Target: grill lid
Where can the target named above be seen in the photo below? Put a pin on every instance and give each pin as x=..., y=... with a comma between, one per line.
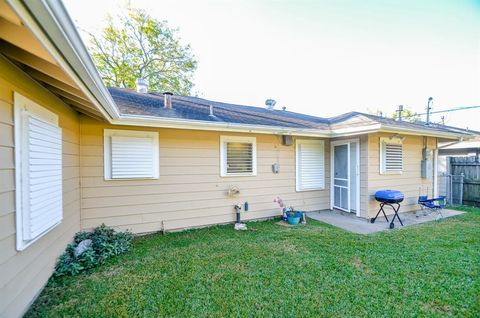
x=389, y=196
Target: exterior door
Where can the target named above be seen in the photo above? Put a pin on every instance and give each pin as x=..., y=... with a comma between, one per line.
x=341, y=176
x=345, y=175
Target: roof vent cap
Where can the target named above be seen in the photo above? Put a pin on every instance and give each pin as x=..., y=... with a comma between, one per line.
x=167, y=100
x=142, y=85
x=270, y=103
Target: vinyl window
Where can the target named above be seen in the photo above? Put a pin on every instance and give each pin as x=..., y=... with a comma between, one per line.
x=391, y=156
x=238, y=156
x=310, y=164
x=38, y=171
x=130, y=154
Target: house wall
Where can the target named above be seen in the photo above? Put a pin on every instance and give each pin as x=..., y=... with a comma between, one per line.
x=23, y=274
x=190, y=191
x=409, y=182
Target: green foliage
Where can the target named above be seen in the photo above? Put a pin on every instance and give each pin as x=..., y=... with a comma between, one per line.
x=291, y=211
x=135, y=45
x=106, y=243
x=317, y=270
x=408, y=115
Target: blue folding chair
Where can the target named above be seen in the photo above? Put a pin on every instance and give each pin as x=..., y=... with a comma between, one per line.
x=434, y=205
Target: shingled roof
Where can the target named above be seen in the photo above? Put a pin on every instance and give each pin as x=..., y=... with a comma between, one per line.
x=130, y=102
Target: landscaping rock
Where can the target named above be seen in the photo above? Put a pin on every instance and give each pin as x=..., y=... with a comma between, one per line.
x=82, y=247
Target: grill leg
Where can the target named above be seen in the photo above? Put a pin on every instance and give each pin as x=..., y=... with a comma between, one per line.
x=380, y=210
x=396, y=214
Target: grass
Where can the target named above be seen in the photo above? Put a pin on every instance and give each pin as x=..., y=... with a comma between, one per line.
x=272, y=271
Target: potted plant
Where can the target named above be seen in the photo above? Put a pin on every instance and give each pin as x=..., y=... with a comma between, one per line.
x=293, y=216
x=290, y=215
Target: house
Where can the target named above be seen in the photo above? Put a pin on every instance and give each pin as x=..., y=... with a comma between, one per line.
x=75, y=154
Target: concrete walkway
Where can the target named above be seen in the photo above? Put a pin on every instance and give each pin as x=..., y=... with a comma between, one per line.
x=352, y=223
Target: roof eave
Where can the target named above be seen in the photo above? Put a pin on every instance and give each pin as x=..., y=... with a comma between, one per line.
x=162, y=122
x=49, y=21
x=352, y=131
x=426, y=132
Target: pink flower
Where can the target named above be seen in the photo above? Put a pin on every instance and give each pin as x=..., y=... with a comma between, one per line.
x=280, y=202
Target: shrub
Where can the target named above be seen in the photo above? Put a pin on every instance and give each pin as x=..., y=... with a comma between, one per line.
x=106, y=243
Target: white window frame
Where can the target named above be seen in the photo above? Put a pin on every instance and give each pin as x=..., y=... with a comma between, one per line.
x=223, y=155
x=107, y=153
x=22, y=105
x=298, y=186
x=382, y=151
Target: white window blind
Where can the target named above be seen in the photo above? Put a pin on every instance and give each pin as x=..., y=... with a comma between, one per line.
x=310, y=165
x=238, y=156
x=391, y=155
x=38, y=168
x=131, y=154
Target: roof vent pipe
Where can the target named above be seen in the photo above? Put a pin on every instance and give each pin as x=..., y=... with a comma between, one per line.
x=167, y=100
x=399, y=112
x=270, y=103
x=429, y=108
x=142, y=85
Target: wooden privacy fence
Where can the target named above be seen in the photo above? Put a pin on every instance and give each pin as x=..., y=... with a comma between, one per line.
x=469, y=168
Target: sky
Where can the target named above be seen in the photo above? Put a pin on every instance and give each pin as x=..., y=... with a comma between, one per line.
x=322, y=57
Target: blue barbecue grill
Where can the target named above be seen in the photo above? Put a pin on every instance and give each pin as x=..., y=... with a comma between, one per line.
x=392, y=198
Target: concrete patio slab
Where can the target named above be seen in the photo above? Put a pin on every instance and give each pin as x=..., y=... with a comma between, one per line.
x=354, y=224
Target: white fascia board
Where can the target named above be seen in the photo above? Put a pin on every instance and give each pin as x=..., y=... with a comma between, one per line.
x=150, y=121
x=425, y=132
x=175, y=123
x=49, y=21
x=351, y=131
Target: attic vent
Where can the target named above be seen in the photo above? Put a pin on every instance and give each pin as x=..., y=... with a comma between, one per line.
x=270, y=104
x=391, y=155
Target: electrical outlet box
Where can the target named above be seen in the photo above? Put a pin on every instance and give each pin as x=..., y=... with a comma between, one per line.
x=426, y=169
x=287, y=140
x=427, y=154
x=275, y=168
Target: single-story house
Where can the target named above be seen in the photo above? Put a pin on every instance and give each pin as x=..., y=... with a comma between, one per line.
x=75, y=154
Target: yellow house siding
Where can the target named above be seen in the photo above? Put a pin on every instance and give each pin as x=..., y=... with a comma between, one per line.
x=190, y=191
x=364, y=164
x=409, y=182
x=24, y=273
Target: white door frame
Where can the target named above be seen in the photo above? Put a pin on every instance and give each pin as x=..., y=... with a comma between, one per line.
x=357, y=169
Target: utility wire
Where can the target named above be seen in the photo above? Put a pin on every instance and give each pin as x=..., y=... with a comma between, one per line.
x=443, y=111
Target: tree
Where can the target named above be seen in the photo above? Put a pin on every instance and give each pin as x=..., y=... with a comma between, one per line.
x=136, y=45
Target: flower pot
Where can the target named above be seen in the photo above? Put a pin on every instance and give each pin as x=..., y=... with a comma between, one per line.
x=294, y=219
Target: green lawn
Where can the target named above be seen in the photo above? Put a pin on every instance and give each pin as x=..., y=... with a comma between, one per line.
x=272, y=271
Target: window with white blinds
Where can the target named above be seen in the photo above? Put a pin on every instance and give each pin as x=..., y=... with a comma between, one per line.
x=310, y=164
x=38, y=171
x=391, y=155
x=131, y=154
x=238, y=156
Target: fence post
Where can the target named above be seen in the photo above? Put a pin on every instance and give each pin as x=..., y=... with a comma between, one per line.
x=450, y=189
x=461, y=188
